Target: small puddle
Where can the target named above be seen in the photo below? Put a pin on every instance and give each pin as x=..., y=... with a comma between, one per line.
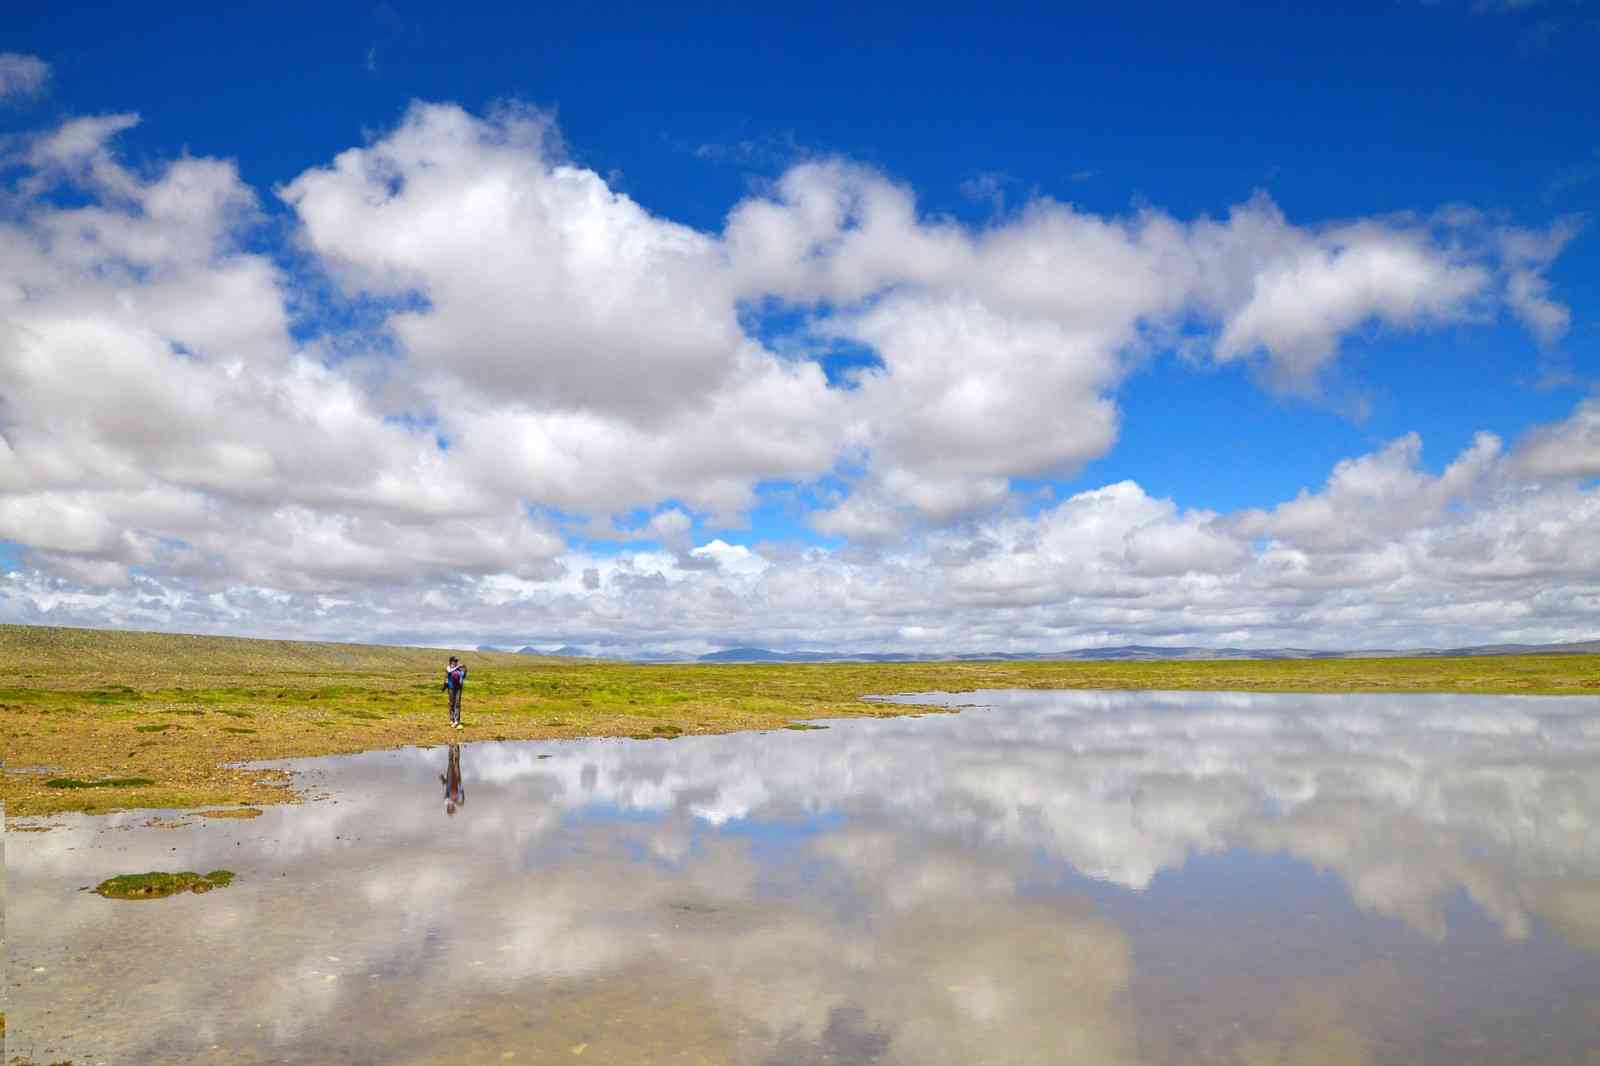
x=1084, y=877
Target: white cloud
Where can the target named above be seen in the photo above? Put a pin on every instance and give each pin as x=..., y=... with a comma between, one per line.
x=1318, y=290
x=970, y=397
x=1483, y=555
x=182, y=448
x=159, y=414
x=542, y=285
x=1371, y=500
x=1527, y=256
x=1570, y=448
x=22, y=75
x=1042, y=315
x=578, y=351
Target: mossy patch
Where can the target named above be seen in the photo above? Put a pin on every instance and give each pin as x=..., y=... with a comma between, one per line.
x=659, y=732
x=152, y=728
x=801, y=727
x=111, y=694
x=104, y=782
x=236, y=729
x=231, y=812
x=157, y=885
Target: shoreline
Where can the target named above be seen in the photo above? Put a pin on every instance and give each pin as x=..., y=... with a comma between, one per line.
x=138, y=720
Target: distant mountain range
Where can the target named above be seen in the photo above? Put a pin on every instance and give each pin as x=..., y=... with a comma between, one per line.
x=1120, y=653
x=1144, y=652
x=1577, y=647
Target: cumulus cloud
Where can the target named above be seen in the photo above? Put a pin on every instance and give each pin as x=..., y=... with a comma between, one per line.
x=1483, y=555
x=22, y=75
x=540, y=284
x=1318, y=289
x=971, y=397
x=159, y=415
x=578, y=351
x=1527, y=256
x=1570, y=448
x=1371, y=500
x=187, y=442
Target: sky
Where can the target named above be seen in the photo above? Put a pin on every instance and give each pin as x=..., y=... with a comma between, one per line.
x=659, y=331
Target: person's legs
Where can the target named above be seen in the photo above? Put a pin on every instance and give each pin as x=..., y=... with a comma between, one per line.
x=455, y=706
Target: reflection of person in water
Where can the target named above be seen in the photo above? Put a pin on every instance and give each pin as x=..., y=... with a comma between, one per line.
x=454, y=794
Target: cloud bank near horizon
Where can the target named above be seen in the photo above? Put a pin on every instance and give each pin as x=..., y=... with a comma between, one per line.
x=480, y=396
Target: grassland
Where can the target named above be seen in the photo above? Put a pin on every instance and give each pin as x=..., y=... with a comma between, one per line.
x=136, y=720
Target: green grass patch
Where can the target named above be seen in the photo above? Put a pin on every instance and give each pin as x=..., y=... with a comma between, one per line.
x=157, y=885
x=802, y=727
x=112, y=694
x=104, y=782
x=237, y=729
x=152, y=728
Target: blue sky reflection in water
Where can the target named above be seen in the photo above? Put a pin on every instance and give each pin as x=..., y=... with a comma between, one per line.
x=1055, y=878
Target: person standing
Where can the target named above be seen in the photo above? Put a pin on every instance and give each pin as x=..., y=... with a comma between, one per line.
x=455, y=679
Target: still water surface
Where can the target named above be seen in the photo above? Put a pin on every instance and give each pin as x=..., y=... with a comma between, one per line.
x=1085, y=877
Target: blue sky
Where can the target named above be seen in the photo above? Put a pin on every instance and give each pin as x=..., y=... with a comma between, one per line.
x=1422, y=174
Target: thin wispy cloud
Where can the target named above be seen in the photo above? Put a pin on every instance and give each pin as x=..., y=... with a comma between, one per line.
x=22, y=76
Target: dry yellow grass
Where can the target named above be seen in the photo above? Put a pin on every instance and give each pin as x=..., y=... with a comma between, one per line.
x=93, y=707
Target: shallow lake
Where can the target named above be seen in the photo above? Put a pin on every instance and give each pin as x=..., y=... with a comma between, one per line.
x=1050, y=877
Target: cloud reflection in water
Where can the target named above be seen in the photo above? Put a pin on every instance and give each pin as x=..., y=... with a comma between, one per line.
x=953, y=889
